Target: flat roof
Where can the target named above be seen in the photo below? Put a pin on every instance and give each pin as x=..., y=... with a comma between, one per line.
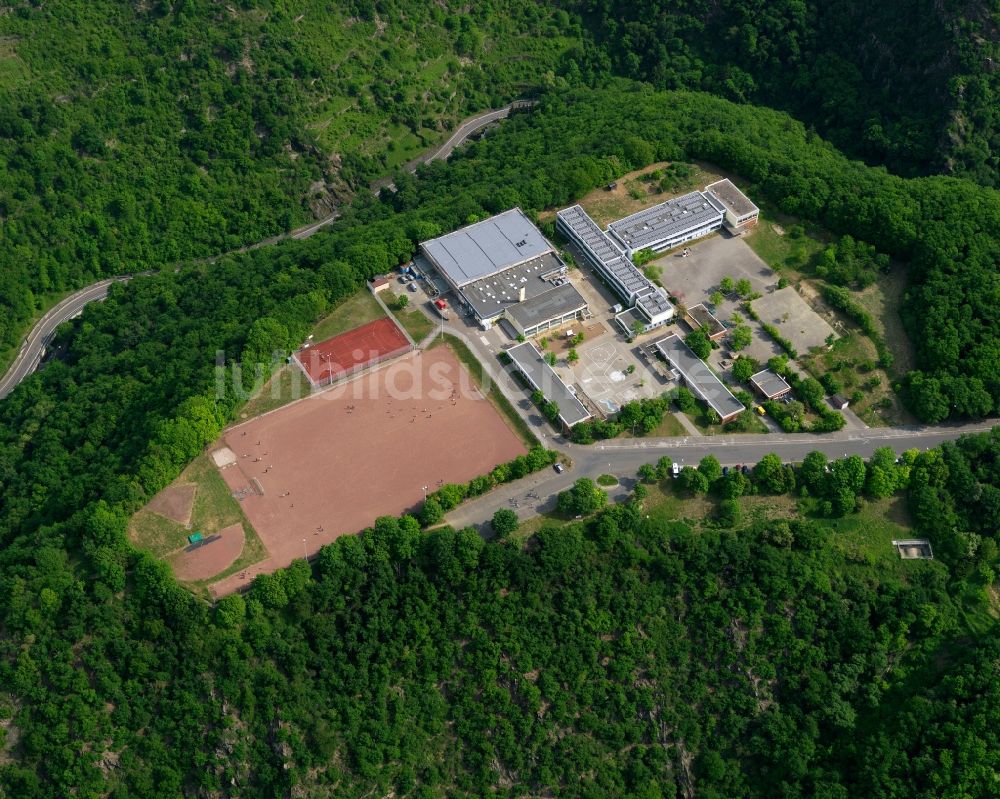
x=736, y=201
x=703, y=317
x=555, y=302
x=699, y=378
x=628, y=318
x=770, y=383
x=543, y=377
x=666, y=220
x=499, y=292
x=485, y=248
x=605, y=249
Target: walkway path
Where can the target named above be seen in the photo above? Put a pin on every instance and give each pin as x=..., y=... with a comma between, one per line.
x=687, y=424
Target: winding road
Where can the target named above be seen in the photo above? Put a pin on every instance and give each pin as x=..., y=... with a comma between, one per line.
x=33, y=348
x=538, y=492
x=38, y=339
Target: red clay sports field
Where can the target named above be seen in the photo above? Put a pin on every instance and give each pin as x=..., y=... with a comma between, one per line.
x=338, y=356
x=332, y=463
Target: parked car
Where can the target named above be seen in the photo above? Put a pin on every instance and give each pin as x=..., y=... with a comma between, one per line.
x=411, y=286
x=559, y=468
x=759, y=409
x=746, y=469
x=675, y=469
x=725, y=470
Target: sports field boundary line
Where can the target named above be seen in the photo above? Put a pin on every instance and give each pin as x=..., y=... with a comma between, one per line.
x=367, y=369
x=392, y=316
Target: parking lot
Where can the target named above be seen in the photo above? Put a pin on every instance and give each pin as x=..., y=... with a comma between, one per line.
x=795, y=320
x=694, y=278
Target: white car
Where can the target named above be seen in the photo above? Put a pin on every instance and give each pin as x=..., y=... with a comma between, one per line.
x=559, y=468
x=675, y=469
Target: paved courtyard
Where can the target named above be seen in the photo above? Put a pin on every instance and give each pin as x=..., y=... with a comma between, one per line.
x=800, y=324
x=602, y=374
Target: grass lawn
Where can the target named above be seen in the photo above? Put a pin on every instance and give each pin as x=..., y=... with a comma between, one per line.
x=214, y=509
x=848, y=360
x=356, y=310
x=668, y=427
x=866, y=537
x=531, y=526
x=774, y=239
x=416, y=322
x=882, y=300
x=664, y=504
x=633, y=193
x=485, y=384
x=700, y=419
x=286, y=385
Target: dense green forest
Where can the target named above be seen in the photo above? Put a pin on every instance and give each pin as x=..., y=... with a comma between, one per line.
x=133, y=135
x=136, y=135
x=736, y=655
x=913, y=86
x=620, y=656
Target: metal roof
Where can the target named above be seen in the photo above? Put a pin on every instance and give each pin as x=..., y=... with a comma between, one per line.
x=555, y=302
x=543, y=378
x=698, y=377
x=665, y=221
x=579, y=221
x=486, y=248
x=654, y=303
x=499, y=292
x=605, y=250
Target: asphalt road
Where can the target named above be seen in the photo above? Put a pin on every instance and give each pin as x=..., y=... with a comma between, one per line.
x=28, y=358
x=34, y=345
x=623, y=457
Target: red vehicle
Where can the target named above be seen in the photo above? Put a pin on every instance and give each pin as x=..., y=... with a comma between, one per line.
x=442, y=308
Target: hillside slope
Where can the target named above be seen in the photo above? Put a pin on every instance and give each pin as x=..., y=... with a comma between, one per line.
x=135, y=135
x=912, y=86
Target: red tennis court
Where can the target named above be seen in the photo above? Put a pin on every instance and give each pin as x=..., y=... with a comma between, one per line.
x=338, y=356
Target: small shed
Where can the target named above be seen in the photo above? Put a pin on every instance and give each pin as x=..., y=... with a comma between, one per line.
x=698, y=316
x=380, y=283
x=770, y=385
x=838, y=403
